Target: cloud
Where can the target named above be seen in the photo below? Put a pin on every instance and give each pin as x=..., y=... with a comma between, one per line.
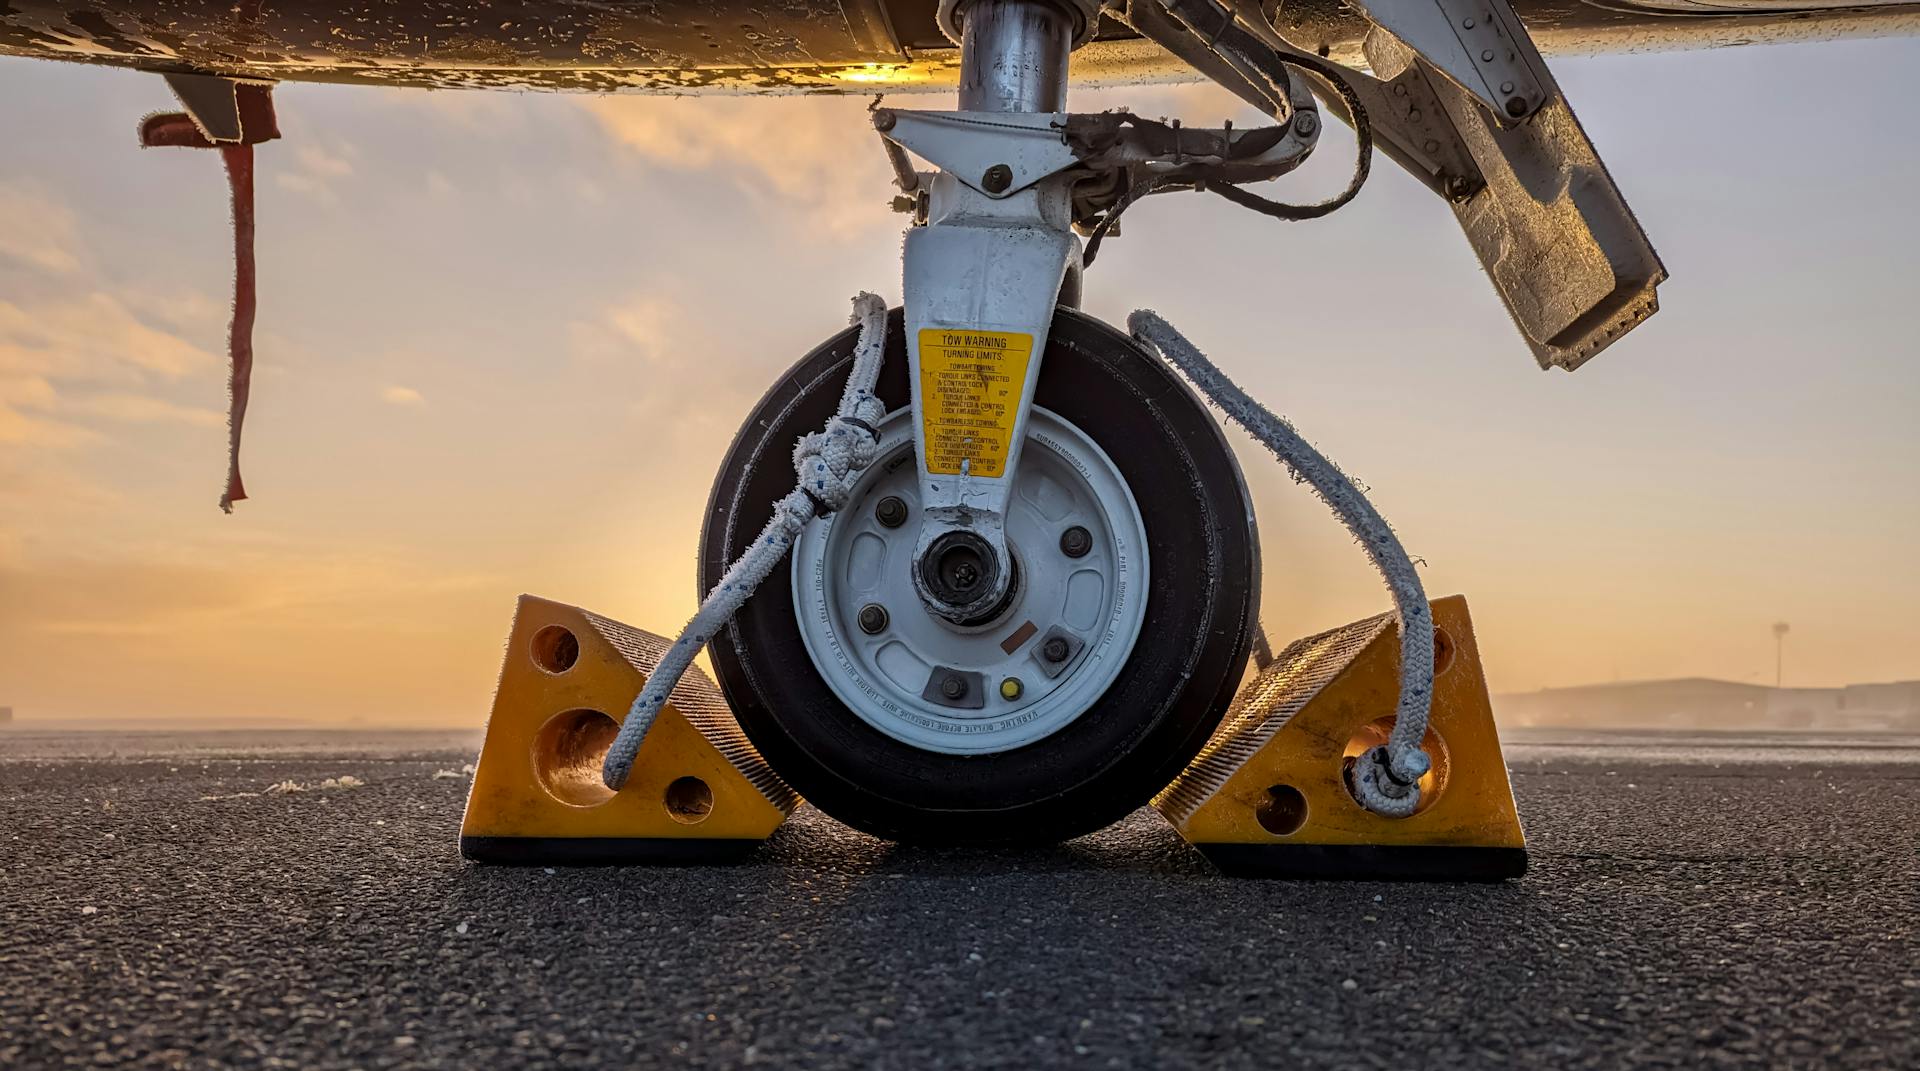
x=656, y=336
x=652, y=348
x=397, y=395
x=93, y=337
x=143, y=409
x=18, y=428
x=817, y=156
x=38, y=232
x=34, y=413
x=318, y=161
x=31, y=392
x=493, y=115
x=183, y=311
x=96, y=345
x=25, y=402
x=316, y=170
x=58, y=329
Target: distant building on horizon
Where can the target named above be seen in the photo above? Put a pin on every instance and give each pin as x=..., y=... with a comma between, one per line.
x=6, y=715
x=1704, y=703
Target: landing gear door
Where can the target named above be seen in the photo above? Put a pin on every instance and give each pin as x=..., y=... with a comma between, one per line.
x=1570, y=261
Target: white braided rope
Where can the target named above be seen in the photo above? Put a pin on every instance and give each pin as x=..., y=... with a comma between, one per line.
x=1386, y=780
x=828, y=463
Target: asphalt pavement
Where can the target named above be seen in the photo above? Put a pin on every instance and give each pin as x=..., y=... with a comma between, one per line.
x=1692, y=903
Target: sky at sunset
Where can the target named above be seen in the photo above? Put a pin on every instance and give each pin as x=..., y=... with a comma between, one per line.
x=504, y=340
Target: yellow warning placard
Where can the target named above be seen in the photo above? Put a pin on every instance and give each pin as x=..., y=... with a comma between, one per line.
x=970, y=385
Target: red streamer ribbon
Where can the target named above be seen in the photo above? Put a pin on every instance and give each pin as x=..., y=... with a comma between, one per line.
x=258, y=123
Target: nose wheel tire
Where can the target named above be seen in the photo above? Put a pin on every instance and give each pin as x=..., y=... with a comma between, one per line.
x=1099, y=677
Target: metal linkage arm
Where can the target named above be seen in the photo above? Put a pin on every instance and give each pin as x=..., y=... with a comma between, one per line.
x=1000, y=155
x=1463, y=101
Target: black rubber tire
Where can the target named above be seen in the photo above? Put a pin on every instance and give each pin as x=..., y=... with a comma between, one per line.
x=1203, y=592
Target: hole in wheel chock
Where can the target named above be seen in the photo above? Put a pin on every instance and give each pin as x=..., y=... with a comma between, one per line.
x=568, y=752
x=555, y=649
x=1283, y=812
x=1375, y=734
x=1443, y=648
x=689, y=800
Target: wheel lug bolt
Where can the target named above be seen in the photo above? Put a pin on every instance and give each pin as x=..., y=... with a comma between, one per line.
x=1054, y=650
x=1011, y=689
x=891, y=512
x=873, y=619
x=1075, y=542
x=954, y=687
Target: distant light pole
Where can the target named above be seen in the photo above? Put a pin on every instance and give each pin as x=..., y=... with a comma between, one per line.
x=1779, y=642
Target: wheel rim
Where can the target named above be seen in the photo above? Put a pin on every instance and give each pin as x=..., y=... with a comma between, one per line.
x=897, y=677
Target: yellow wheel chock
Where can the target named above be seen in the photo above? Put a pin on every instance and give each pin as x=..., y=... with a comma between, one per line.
x=699, y=791
x=1268, y=795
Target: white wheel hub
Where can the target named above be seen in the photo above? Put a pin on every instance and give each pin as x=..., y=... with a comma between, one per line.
x=1013, y=687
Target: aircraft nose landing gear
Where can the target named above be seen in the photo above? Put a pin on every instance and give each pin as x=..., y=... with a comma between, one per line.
x=1024, y=570
x=1030, y=612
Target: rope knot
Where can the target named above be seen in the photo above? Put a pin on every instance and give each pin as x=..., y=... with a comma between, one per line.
x=829, y=462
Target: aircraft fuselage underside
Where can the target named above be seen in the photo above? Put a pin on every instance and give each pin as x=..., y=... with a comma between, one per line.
x=681, y=46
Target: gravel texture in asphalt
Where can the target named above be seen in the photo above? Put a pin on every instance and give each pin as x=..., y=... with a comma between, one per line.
x=1690, y=905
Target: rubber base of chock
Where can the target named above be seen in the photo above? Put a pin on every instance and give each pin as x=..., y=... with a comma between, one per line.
x=604, y=851
x=1367, y=862
x=1268, y=795
x=699, y=791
